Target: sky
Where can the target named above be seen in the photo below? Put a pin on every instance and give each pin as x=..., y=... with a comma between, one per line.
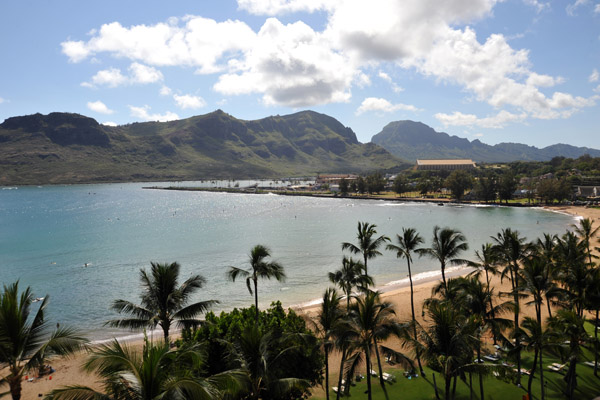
x=525, y=71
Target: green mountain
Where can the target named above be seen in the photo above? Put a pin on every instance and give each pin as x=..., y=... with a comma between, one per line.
x=411, y=140
x=71, y=148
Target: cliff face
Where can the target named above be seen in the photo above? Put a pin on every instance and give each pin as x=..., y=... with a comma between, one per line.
x=71, y=148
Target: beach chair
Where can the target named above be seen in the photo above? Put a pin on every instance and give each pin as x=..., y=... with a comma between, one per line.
x=556, y=367
x=388, y=377
x=374, y=373
x=590, y=363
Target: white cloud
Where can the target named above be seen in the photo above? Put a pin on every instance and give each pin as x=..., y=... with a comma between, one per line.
x=109, y=123
x=382, y=105
x=597, y=9
x=199, y=42
x=387, y=78
x=594, y=76
x=140, y=73
x=188, y=101
x=539, y=6
x=112, y=77
x=571, y=8
x=144, y=114
x=99, y=107
x=291, y=65
x=470, y=120
x=165, y=91
x=295, y=65
x=275, y=7
x=107, y=77
x=2, y=100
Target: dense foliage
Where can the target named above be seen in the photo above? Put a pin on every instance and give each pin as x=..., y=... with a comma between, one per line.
x=293, y=349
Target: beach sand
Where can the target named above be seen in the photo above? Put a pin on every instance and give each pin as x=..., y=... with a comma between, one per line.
x=68, y=371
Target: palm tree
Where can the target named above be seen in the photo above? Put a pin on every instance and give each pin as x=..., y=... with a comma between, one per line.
x=259, y=269
x=163, y=301
x=446, y=246
x=566, y=324
x=349, y=277
x=254, y=350
x=487, y=261
x=156, y=373
x=511, y=249
x=593, y=304
x=475, y=299
x=407, y=244
x=534, y=336
x=328, y=322
x=586, y=232
x=545, y=248
x=447, y=342
x=373, y=321
x=367, y=245
x=25, y=342
x=575, y=270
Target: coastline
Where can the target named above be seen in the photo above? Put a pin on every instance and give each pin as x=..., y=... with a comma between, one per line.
x=69, y=372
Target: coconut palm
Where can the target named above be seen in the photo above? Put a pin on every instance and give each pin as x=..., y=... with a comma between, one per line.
x=328, y=322
x=566, y=324
x=351, y=276
x=407, y=245
x=511, y=250
x=157, y=372
x=575, y=270
x=373, y=321
x=533, y=336
x=259, y=268
x=447, y=342
x=593, y=304
x=474, y=299
x=25, y=340
x=545, y=248
x=368, y=245
x=163, y=301
x=586, y=232
x=487, y=262
x=255, y=352
x=446, y=246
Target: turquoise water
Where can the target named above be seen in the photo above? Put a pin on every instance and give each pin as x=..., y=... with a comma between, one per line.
x=48, y=234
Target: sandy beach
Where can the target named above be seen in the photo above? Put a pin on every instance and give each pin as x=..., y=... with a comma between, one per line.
x=68, y=371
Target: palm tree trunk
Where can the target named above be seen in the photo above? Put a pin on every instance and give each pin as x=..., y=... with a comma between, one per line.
x=444, y=276
x=14, y=383
x=515, y=285
x=341, y=377
x=549, y=309
x=543, y=388
x=454, y=387
x=256, y=298
x=596, y=343
x=494, y=334
x=381, y=380
x=165, y=327
x=366, y=270
x=470, y=386
x=414, y=320
x=530, y=381
x=327, y=372
x=368, y=362
x=480, y=376
x=447, y=386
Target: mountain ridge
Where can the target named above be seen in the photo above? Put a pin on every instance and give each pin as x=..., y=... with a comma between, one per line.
x=73, y=148
x=411, y=140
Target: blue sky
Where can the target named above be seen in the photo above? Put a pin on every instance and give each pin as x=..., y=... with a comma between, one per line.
x=500, y=71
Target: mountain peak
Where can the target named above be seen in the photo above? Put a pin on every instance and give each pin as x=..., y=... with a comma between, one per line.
x=410, y=140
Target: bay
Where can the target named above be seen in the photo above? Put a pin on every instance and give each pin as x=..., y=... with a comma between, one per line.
x=84, y=245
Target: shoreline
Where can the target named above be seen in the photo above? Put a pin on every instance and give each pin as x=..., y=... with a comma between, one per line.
x=68, y=370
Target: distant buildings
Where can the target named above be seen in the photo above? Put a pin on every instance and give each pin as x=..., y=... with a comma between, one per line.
x=447, y=165
x=334, y=179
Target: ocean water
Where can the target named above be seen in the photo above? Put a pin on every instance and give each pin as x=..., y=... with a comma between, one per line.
x=49, y=234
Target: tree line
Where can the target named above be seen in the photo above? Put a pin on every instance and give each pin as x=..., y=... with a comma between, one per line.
x=274, y=354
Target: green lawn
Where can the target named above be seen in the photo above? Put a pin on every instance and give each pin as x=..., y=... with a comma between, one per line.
x=494, y=388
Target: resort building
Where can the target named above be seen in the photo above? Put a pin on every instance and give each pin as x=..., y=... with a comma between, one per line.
x=334, y=179
x=448, y=165
x=588, y=191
